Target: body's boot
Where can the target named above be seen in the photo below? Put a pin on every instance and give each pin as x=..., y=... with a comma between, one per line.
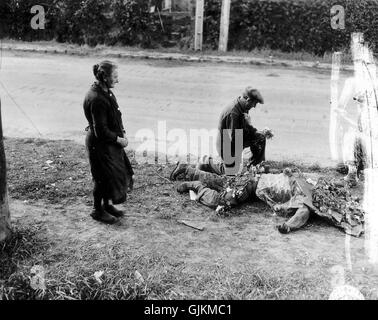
x=205, y=195
x=297, y=221
x=179, y=170
x=207, y=164
x=203, y=167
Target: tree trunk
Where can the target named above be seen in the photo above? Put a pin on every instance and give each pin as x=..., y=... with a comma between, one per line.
x=4, y=207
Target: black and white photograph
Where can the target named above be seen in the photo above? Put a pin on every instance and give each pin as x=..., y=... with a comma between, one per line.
x=188, y=151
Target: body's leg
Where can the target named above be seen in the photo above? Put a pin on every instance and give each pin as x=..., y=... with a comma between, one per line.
x=297, y=221
x=188, y=173
x=208, y=164
x=248, y=192
x=212, y=198
x=205, y=195
x=257, y=145
x=210, y=180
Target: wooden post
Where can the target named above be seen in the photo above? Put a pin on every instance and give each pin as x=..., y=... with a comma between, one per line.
x=224, y=25
x=198, y=37
x=4, y=207
x=168, y=5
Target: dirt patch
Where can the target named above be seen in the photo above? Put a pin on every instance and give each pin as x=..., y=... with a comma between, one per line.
x=239, y=257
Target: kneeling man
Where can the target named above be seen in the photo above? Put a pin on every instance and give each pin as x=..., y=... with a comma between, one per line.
x=235, y=124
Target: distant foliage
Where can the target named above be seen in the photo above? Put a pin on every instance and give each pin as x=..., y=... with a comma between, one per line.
x=91, y=22
x=291, y=25
x=15, y=19
x=287, y=25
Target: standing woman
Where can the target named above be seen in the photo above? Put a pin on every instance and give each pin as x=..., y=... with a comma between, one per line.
x=110, y=167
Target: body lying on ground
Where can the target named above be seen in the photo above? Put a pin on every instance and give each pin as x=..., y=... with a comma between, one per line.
x=287, y=193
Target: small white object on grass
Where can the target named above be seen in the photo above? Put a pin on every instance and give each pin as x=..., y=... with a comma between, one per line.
x=98, y=275
x=310, y=181
x=37, y=279
x=138, y=276
x=219, y=209
x=193, y=195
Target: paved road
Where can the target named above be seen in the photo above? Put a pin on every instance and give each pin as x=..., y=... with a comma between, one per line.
x=50, y=89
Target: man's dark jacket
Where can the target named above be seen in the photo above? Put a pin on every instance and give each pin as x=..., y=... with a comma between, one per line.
x=232, y=117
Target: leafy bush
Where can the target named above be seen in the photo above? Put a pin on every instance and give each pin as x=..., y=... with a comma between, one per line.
x=134, y=24
x=287, y=25
x=15, y=18
x=89, y=22
x=291, y=25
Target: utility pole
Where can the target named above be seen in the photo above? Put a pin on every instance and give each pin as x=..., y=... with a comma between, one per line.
x=224, y=25
x=198, y=37
x=168, y=5
x=4, y=207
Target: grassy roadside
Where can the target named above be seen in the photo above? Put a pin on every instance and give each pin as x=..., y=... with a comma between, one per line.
x=72, y=275
x=52, y=178
x=257, y=56
x=58, y=170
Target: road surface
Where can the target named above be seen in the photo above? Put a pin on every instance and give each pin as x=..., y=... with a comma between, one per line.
x=50, y=90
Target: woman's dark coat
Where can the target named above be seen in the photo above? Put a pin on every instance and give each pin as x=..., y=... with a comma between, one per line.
x=110, y=166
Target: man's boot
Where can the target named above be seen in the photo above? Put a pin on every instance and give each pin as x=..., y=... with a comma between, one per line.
x=114, y=211
x=102, y=216
x=196, y=186
x=351, y=178
x=180, y=169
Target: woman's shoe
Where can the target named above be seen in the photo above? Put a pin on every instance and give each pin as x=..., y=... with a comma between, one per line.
x=114, y=211
x=103, y=216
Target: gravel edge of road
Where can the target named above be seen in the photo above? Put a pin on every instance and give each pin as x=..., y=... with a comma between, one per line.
x=144, y=54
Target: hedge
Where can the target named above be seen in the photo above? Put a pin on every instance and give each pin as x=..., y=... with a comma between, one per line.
x=91, y=22
x=287, y=25
x=291, y=25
